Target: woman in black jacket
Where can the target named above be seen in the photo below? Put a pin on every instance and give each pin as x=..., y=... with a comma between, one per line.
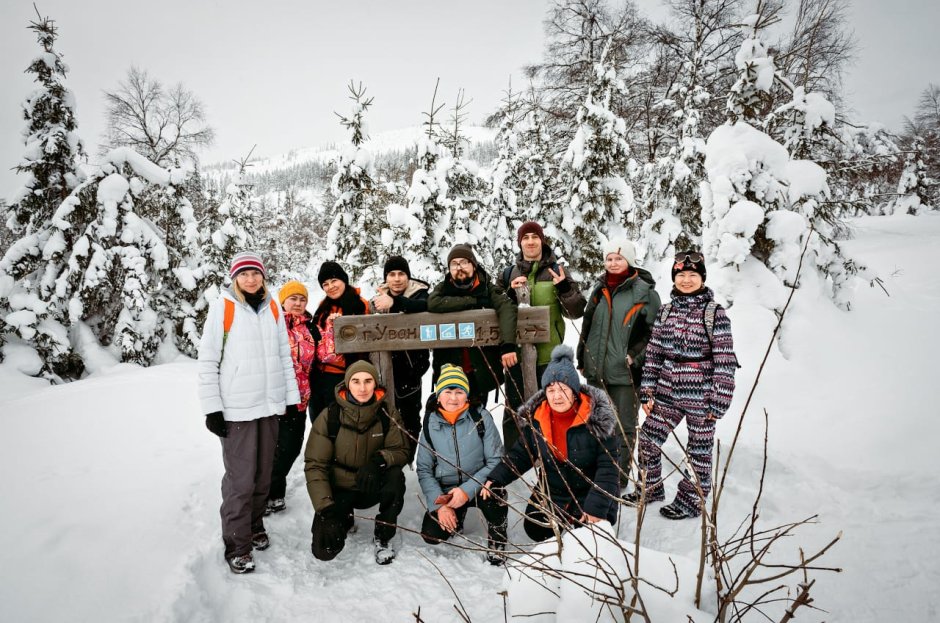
x=571, y=429
x=342, y=299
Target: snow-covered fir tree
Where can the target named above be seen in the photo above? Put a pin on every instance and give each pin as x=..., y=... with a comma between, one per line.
x=700, y=40
x=227, y=230
x=541, y=196
x=102, y=273
x=462, y=189
x=180, y=289
x=50, y=166
x=291, y=245
x=756, y=72
x=424, y=200
x=762, y=206
x=912, y=190
x=503, y=212
x=600, y=200
x=354, y=237
x=53, y=148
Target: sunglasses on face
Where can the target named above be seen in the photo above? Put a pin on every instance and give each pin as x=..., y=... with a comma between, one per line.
x=459, y=264
x=693, y=257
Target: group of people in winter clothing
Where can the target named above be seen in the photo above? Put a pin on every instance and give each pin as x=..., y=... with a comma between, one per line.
x=265, y=368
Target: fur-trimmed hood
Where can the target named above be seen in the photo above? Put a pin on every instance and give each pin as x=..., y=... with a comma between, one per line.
x=602, y=420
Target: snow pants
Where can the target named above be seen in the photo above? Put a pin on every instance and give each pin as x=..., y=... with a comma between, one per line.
x=390, y=498
x=656, y=429
x=290, y=439
x=625, y=401
x=248, y=455
x=495, y=512
x=537, y=521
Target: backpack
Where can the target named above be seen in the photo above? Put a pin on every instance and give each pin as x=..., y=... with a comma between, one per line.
x=229, y=317
x=475, y=415
x=708, y=316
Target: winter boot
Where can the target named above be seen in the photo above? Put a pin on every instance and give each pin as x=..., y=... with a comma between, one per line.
x=241, y=564
x=260, y=541
x=384, y=551
x=633, y=499
x=275, y=506
x=674, y=511
x=496, y=554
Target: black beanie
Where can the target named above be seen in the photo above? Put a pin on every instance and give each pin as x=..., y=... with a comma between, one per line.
x=332, y=270
x=396, y=262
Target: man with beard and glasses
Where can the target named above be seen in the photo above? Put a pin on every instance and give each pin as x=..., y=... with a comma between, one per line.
x=466, y=287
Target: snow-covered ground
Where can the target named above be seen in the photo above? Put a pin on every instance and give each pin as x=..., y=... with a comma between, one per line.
x=110, y=487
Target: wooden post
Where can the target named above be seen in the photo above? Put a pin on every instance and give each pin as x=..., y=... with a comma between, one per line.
x=383, y=363
x=530, y=382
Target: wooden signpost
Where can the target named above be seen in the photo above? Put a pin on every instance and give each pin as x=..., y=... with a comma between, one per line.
x=381, y=334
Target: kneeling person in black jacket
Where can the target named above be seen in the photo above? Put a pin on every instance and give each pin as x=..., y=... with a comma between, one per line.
x=572, y=430
x=354, y=459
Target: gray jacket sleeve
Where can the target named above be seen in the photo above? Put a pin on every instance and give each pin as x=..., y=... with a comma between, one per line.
x=424, y=466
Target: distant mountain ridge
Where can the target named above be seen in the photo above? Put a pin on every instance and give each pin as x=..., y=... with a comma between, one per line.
x=391, y=147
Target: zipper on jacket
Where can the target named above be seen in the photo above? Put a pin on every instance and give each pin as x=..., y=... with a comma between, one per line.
x=453, y=430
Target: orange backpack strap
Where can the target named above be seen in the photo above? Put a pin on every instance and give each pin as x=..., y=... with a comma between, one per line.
x=275, y=311
x=228, y=318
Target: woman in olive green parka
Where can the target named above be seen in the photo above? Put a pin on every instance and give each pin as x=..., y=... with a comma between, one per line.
x=618, y=323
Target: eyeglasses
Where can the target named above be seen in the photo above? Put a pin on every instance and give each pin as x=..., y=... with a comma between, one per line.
x=691, y=256
x=460, y=264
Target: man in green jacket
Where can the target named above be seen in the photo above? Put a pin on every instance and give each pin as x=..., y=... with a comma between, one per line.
x=354, y=458
x=618, y=323
x=467, y=286
x=549, y=285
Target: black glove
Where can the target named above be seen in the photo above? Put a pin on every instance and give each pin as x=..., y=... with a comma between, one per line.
x=332, y=529
x=215, y=422
x=292, y=410
x=369, y=476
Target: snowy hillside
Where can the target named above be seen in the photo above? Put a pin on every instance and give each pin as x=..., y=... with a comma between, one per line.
x=110, y=492
x=400, y=140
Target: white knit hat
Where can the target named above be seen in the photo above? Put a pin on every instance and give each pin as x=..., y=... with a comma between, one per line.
x=622, y=246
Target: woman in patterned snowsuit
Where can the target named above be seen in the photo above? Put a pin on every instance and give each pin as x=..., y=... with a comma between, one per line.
x=689, y=374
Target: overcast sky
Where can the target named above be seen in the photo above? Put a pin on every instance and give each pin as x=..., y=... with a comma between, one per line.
x=272, y=73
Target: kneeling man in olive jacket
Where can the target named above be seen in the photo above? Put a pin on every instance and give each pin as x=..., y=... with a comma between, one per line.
x=354, y=459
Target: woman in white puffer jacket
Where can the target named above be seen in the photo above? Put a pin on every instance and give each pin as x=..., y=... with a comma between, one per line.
x=246, y=379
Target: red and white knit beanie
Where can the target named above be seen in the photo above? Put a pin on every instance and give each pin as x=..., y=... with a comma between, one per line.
x=244, y=261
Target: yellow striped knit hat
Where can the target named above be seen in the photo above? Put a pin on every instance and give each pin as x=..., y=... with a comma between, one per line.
x=451, y=376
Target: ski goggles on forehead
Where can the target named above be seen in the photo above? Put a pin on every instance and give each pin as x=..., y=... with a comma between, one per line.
x=694, y=257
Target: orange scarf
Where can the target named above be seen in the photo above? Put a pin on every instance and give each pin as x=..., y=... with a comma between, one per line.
x=452, y=416
x=555, y=426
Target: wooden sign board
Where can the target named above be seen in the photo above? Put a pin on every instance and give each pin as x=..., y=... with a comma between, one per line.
x=477, y=327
